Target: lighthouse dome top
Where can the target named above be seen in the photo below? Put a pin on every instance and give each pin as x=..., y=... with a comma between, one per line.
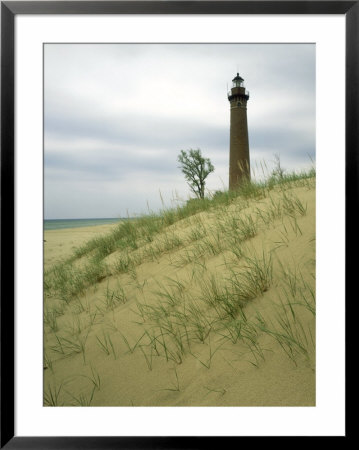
x=237, y=77
x=237, y=81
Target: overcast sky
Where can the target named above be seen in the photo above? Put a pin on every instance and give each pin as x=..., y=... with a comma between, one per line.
x=117, y=116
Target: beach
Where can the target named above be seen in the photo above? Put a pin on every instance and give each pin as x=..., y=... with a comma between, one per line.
x=214, y=309
x=60, y=244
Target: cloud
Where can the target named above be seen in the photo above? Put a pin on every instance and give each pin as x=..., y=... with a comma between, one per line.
x=132, y=130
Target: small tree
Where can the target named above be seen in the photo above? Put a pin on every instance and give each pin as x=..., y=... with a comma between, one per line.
x=196, y=169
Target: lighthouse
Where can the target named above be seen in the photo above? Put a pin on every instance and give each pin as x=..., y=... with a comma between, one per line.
x=239, y=164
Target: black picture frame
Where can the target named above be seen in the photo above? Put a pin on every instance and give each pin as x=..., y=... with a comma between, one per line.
x=9, y=9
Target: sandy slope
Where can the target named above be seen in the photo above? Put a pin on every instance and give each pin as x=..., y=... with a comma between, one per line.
x=148, y=336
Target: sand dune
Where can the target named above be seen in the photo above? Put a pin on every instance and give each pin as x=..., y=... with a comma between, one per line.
x=215, y=309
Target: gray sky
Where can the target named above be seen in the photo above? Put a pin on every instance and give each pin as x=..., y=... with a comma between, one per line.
x=117, y=116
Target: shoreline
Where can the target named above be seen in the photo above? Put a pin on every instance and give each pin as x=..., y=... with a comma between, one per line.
x=60, y=244
x=64, y=224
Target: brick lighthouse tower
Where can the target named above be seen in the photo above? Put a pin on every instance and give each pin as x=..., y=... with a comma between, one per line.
x=239, y=165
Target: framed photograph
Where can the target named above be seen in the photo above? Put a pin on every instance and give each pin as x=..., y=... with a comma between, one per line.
x=175, y=181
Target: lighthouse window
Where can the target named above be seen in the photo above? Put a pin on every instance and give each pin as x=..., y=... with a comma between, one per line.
x=239, y=104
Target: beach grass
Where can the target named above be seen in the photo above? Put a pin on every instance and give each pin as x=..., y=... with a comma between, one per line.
x=196, y=305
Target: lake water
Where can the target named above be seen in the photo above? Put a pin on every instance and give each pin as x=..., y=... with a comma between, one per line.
x=57, y=224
